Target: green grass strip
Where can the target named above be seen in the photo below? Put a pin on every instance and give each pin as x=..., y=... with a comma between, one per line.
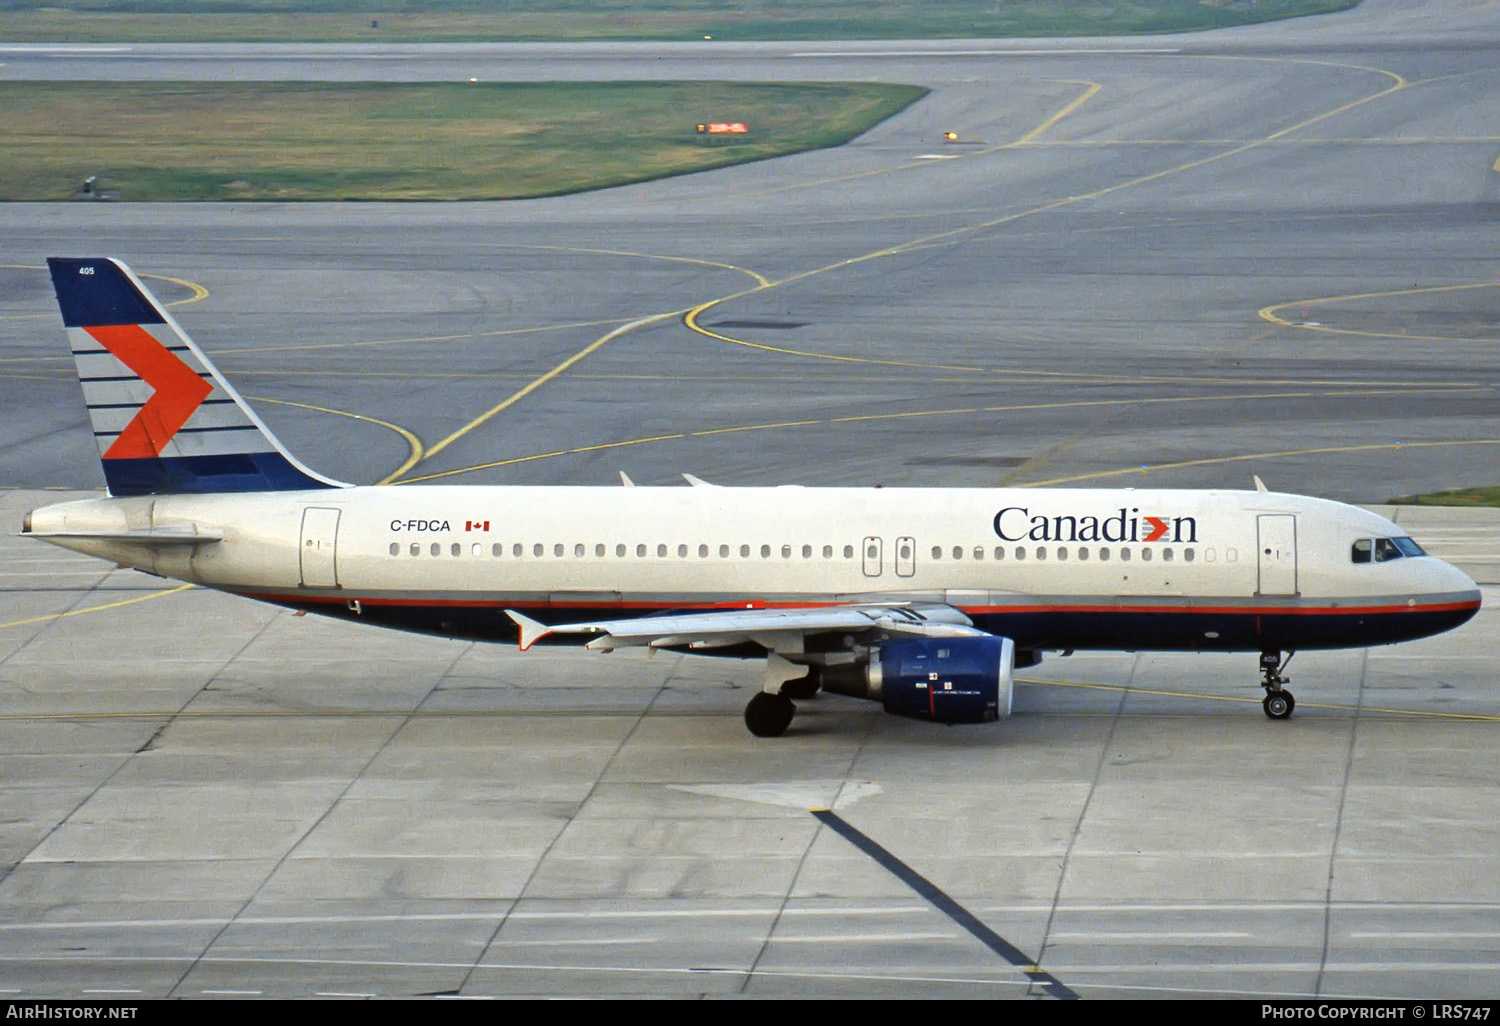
x=1454, y=497
x=524, y=20
x=459, y=141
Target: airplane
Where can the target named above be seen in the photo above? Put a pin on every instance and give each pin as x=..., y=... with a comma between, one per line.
x=926, y=600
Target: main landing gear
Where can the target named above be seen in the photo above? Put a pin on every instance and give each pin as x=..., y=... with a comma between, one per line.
x=769, y=715
x=1278, y=702
x=770, y=712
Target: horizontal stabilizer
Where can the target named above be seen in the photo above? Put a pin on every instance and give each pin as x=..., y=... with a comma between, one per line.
x=187, y=535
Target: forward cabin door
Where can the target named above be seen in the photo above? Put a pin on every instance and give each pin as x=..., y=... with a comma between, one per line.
x=1277, y=553
x=320, y=532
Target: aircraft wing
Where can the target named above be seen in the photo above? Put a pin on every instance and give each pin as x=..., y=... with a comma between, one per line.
x=775, y=629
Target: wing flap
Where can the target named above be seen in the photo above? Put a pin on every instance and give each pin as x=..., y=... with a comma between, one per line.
x=775, y=629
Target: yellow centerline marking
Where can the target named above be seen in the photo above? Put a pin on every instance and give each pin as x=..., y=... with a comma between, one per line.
x=1088, y=94
x=1214, y=460
x=199, y=292
x=414, y=444
x=310, y=347
x=691, y=319
x=954, y=412
x=537, y=383
x=98, y=609
x=1271, y=313
x=759, y=279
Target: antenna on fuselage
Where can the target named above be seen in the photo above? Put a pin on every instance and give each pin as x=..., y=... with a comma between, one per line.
x=1260, y=486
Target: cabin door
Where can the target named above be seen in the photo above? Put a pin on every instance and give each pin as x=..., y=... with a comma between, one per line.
x=906, y=557
x=1278, y=553
x=320, y=532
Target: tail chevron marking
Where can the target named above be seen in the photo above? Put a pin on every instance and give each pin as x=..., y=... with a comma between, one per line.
x=179, y=390
x=165, y=419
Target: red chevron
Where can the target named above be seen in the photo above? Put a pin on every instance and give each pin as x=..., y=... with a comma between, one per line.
x=179, y=390
x=1159, y=528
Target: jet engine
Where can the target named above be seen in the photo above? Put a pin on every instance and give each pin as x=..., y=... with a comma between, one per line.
x=949, y=680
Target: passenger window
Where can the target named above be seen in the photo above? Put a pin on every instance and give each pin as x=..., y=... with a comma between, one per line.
x=661, y=551
x=807, y=552
x=979, y=552
x=848, y=551
x=786, y=552
x=1062, y=553
x=1083, y=553
x=958, y=552
x=1124, y=555
x=1145, y=555
x=1104, y=555
x=1166, y=555
x=723, y=551
x=1041, y=553
x=1187, y=555
x=640, y=551
x=937, y=552
x=395, y=548
x=515, y=550
x=827, y=551
x=497, y=550
x=557, y=549
x=682, y=551
x=416, y=550
x=765, y=552
x=478, y=549
x=599, y=550
x=744, y=552
x=437, y=550
x=578, y=550
x=1020, y=552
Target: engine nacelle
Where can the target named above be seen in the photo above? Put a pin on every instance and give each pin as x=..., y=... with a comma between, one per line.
x=949, y=680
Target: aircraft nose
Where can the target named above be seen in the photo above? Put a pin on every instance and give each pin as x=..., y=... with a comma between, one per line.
x=1461, y=591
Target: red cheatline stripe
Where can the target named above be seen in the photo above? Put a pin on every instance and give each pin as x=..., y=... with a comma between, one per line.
x=179, y=390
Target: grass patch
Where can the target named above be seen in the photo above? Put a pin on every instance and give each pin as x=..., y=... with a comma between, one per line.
x=454, y=20
x=329, y=141
x=1454, y=497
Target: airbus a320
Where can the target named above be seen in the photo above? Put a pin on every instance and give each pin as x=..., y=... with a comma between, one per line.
x=925, y=600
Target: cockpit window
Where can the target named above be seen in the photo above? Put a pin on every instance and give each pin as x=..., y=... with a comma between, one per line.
x=1408, y=547
x=1381, y=550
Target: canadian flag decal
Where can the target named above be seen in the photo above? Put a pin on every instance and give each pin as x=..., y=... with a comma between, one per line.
x=476, y=525
x=179, y=390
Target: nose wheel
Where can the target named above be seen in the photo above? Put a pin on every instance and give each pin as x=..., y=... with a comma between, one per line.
x=1278, y=702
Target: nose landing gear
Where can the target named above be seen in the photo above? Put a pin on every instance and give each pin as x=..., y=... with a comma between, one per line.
x=1278, y=702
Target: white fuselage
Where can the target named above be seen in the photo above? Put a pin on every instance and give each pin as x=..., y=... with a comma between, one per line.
x=1052, y=567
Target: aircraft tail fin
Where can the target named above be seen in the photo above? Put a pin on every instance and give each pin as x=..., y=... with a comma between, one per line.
x=165, y=419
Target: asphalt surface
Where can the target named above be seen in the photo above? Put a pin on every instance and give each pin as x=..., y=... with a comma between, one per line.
x=1174, y=261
